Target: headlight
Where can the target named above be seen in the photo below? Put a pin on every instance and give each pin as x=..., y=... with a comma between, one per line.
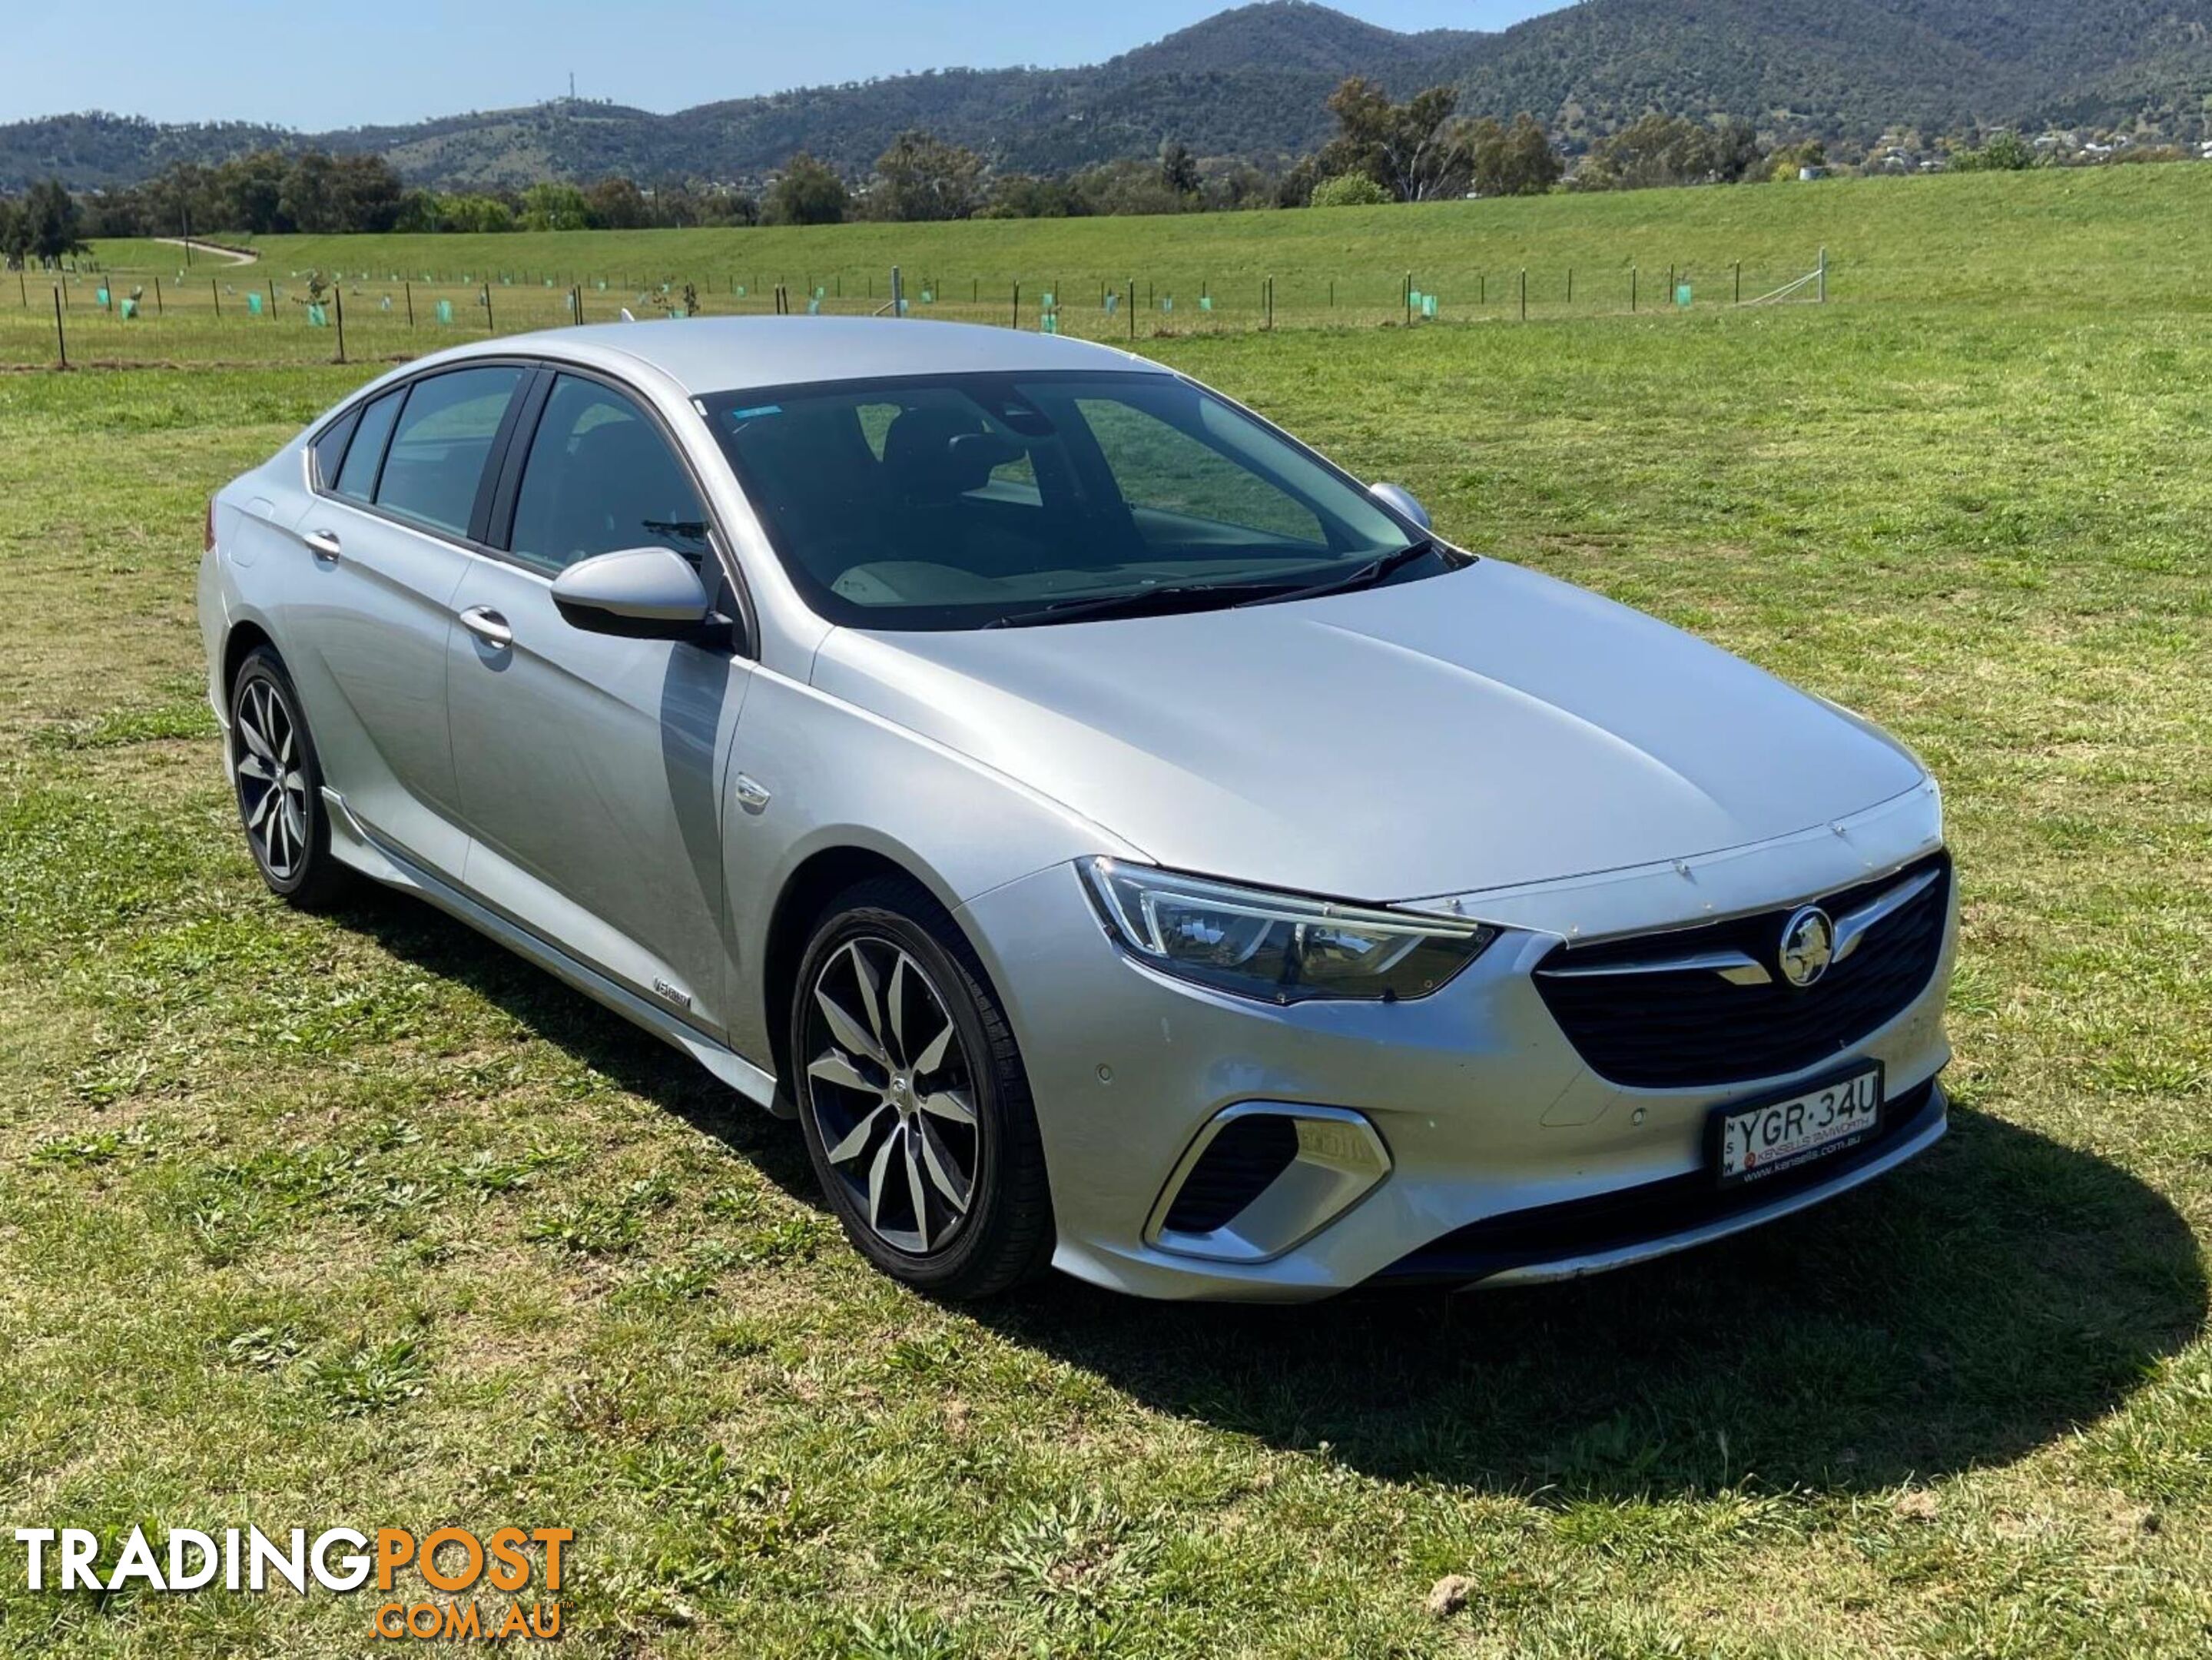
x=1280, y=947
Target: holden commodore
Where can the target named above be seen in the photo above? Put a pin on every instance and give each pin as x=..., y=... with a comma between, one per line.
x=1123, y=841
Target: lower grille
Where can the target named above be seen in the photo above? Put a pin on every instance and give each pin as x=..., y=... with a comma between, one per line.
x=1656, y=1210
x=1236, y=1167
x=1693, y=1027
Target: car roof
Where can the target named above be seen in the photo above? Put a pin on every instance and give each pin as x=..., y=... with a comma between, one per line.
x=707, y=355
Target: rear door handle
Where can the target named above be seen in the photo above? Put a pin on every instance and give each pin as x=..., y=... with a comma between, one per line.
x=489, y=626
x=324, y=545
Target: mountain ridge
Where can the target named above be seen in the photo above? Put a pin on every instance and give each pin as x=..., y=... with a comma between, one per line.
x=1251, y=82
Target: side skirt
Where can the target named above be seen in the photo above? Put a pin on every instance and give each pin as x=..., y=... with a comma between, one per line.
x=352, y=843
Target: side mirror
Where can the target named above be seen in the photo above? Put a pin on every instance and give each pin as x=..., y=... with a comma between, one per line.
x=641, y=594
x=1402, y=501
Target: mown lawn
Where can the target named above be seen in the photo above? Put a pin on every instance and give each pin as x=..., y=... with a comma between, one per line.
x=306, y=1221
x=2043, y=244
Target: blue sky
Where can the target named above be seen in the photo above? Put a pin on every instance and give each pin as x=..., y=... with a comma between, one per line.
x=373, y=61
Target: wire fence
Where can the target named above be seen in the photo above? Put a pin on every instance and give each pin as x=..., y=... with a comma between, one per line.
x=248, y=314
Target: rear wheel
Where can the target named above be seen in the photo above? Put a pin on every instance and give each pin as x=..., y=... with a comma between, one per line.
x=280, y=785
x=912, y=1099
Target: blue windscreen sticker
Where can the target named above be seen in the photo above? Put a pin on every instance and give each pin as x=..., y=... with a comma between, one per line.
x=758, y=410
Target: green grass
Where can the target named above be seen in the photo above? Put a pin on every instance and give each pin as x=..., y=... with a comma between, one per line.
x=305, y=1220
x=2112, y=238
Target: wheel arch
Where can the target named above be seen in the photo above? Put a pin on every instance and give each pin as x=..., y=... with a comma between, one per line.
x=806, y=895
x=243, y=637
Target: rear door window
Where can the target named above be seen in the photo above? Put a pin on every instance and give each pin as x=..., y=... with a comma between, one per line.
x=439, y=447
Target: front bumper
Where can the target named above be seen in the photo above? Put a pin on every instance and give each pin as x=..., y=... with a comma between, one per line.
x=1485, y=1110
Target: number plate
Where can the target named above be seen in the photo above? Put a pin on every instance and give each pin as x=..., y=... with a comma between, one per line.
x=1756, y=1141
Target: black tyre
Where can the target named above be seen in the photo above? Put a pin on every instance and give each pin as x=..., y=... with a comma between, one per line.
x=279, y=784
x=912, y=1099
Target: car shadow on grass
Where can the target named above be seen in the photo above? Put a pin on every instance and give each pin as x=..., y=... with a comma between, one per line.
x=420, y=933
x=1999, y=1292
x=1994, y=1294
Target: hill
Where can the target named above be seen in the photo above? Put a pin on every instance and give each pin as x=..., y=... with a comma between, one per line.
x=1251, y=82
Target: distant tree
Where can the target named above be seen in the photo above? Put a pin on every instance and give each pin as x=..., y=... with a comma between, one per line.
x=474, y=214
x=1516, y=161
x=617, y=205
x=1126, y=188
x=2007, y=152
x=368, y=189
x=417, y=213
x=809, y=193
x=1414, y=150
x=1670, y=150
x=1788, y=160
x=1349, y=189
x=52, y=223
x=1236, y=186
x=921, y=177
x=552, y=206
x=1178, y=169
x=310, y=198
x=1736, y=152
x=1295, y=188
x=15, y=235
x=249, y=194
x=1026, y=195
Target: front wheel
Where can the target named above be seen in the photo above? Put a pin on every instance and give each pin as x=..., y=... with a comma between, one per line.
x=912, y=1099
x=279, y=784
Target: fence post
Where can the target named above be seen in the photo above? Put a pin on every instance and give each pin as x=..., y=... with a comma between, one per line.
x=1570, y=285
x=61, y=334
x=1408, y=295
x=410, y=287
x=215, y=292
x=1824, y=274
x=1018, y=304
x=337, y=299
x=159, y=310
x=1270, y=302
x=898, y=291
x=1738, y=281
x=1631, y=288
x=23, y=284
x=272, y=299
x=1524, y=293
x=1132, y=308
x=487, y=297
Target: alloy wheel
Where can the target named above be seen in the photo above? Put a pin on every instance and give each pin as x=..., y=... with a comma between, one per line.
x=272, y=785
x=892, y=1094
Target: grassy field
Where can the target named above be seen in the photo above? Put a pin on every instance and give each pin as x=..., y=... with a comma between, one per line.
x=2113, y=238
x=354, y=1218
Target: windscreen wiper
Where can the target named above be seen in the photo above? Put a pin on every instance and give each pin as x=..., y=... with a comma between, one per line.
x=1147, y=602
x=1366, y=576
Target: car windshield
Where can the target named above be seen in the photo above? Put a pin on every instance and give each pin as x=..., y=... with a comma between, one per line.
x=965, y=500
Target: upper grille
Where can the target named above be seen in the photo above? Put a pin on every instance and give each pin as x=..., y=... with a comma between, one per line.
x=1690, y=1027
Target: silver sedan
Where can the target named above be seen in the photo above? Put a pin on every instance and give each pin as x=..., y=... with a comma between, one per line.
x=1123, y=841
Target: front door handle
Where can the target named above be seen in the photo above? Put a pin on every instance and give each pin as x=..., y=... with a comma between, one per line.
x=489, y=626
x=324, y=545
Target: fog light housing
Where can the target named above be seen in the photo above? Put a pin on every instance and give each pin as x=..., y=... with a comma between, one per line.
x=1262, y=1177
